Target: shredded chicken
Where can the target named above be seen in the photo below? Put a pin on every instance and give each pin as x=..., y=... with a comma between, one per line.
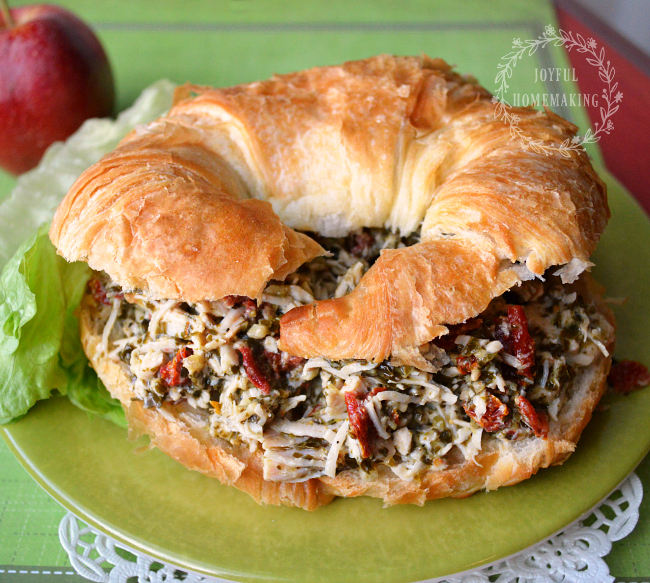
x=502, y=374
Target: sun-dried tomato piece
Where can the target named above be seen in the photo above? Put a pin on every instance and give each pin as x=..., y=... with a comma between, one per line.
x=512, y=332
x=360, y=423
x=232, y=301
x=362, y=242
x=628, y=376
x=170, y=373
x=281, y=362
x=259, y=371
x=375, y=391
x=274, y=359
x=290, y=362
x=98, y=292
x=534, y=418
x=448, y=341
x=465, y=364
x=495, y=414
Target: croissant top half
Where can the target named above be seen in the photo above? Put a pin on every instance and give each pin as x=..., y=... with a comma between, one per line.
x=203, y=203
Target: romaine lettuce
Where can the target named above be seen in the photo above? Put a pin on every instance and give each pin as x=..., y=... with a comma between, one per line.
x=40, y=350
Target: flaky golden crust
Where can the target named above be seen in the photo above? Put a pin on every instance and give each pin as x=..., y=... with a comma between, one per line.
x=395, y=309
x=164, y=213
x=180, y=432
x=387, y=141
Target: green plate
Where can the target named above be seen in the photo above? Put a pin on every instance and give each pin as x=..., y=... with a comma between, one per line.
x=156, y=506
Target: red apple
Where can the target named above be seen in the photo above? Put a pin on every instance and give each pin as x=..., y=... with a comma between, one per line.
x=54, y=74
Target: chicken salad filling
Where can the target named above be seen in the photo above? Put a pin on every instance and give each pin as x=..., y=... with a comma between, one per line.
x=503, y=374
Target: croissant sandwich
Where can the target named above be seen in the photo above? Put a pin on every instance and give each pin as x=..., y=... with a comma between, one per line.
x=346, y=281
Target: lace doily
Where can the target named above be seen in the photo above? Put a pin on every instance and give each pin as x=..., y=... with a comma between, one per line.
x=574, y=555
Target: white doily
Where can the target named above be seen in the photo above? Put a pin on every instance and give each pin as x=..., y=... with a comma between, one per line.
x=575, y=555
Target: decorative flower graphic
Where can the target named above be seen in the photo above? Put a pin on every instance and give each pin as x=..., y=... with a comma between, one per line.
x=610, y=95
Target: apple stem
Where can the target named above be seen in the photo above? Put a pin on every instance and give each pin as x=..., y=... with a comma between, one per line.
x=6, y=14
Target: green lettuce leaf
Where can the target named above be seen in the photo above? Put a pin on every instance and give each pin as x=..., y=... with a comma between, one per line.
x=40, y=349
x=90, y=394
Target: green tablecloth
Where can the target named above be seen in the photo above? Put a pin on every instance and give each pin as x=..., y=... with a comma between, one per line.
x=228, y=42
